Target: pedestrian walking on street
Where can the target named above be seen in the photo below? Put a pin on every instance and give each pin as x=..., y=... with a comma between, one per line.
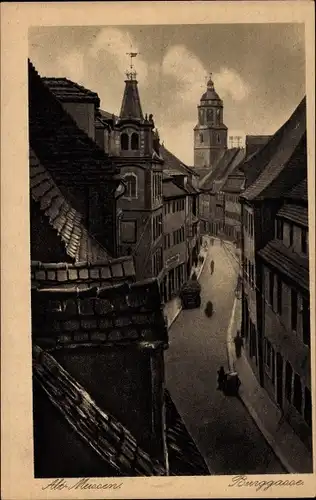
x=221, y=377
x=212, y=266
x=238, y=344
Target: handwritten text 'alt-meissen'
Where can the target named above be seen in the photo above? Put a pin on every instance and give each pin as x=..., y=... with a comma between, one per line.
x=81, y=484
x=264, y=485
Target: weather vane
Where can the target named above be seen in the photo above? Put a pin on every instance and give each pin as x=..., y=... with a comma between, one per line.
x=131, y=74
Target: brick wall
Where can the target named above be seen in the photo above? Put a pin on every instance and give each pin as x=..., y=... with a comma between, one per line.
x=82, y=274
x=122, y=313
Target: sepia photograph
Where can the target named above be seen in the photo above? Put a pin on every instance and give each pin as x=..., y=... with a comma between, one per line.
x=170, y=280
x=169, y=250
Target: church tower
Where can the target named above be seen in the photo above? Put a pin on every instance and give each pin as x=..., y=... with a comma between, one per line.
x=210, y=133
x=137, y=154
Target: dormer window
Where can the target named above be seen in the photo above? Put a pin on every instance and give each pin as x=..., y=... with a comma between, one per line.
x=124, y=141
x=131, y=185
x=135, y=141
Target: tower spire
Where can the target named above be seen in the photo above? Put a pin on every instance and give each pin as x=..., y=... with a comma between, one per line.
x=131, y=73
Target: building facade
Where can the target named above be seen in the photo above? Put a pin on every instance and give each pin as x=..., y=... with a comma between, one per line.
x=286, y=313
x=210, y=133
x=273, y=171
x=213, y=194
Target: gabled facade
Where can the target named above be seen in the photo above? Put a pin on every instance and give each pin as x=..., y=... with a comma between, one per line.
x=210, y=133
x=212, y=195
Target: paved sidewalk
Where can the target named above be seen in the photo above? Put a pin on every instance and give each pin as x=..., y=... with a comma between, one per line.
x=287, y=446
x=173, y=307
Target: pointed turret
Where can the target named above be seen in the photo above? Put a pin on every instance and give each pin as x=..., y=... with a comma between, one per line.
x=131, y=106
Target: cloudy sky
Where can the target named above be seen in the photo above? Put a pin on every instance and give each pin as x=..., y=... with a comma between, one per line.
x=258, y=71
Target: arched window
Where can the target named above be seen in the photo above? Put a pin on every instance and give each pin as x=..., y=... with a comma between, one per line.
x=135, y=141
x=218, y=116
x=218, y=138
x=210, y=115
x=201, y=138
x=131, y=186
x=124, y=141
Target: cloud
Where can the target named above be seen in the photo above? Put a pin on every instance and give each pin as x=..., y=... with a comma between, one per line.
x=71, y=65
x=188, y=74
x=229, y=82
x=112, y=45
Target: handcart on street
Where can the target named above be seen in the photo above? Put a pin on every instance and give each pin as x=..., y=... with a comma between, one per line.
x=231, y=384
x=190, y=294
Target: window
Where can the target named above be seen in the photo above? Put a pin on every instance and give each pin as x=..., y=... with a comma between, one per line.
x=209, y=115
x=178, y=236
x=297, y=396
x=267, y=353
x=288, y=381
x=273, y=365
x=279, y=296
x=157, y=261
x=271, y=288
x=218, y=138
x=306, y=322
x=308, y=407
x=293, y=310
x=131, y=186
x=128, y=231
x=304, y=240
x=279, y=229
x=201, y=116
x=167, y=241
x=135, y=141
x=291, y=238
x=218, y=116
x=201, y=138
x=157, y=226
x=124, y=141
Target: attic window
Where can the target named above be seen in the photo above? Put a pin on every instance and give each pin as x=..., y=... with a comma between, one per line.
x=135, y=141
x=124, y=142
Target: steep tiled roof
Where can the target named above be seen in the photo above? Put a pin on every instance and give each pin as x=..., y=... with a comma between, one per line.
x=79, y=244
x=226, y=164
x=183, y=455
x=255, y=142
x=104, y=434
x=61, y=146
x=202, y=172
x=101, y=431
x=83, y=274
x=131, y=106
x=171, y=190
x=294, y=213
x=299, y=192
x=278, y=149
x=67, y=91
x=290, y=264
x=172, y=163
x=287, y=167
x=125, y=313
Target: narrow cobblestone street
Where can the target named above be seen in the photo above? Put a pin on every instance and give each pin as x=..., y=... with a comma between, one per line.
x=221, y=426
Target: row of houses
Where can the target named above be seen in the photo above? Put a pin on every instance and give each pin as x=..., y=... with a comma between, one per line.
x=257, y=198
x=275, y=270
x=100, y=403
